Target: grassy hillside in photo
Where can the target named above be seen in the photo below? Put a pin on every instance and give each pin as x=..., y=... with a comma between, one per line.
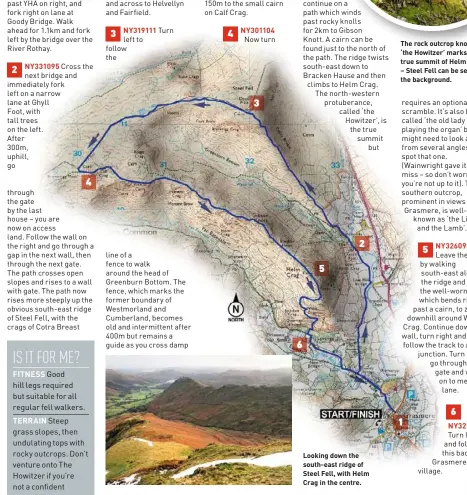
x=215, y=452
x=229, y=474
x=156, y=449
x=128, y=456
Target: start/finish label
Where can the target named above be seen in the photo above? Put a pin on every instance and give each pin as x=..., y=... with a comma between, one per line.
x=51, y=417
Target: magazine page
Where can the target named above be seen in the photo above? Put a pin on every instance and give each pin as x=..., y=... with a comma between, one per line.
x=234, y=246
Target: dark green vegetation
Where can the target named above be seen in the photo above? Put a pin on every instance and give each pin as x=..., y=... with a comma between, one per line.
x=120, y=431
x=266, y=410
x=130, y=402
x=425, y=12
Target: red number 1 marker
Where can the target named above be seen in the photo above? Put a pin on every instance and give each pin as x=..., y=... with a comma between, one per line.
x=400, y=422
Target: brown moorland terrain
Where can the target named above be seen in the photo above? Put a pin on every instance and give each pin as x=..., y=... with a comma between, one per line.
x=156, y=429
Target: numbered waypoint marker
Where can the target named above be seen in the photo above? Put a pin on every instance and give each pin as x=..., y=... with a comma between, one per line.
x=14, y=69
x=88, y=182
x=362, y=242
x=230, y=33
x=321, y=268
x=256, y=103
x=113, y=33
x=400, y=422
x=453, y=411
x=299, y=344
x=425, y=250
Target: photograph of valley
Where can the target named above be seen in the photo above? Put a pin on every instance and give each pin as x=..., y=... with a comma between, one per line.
x=207, y=420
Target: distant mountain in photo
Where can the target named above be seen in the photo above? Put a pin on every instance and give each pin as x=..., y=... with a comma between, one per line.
x=280, y=376
x=125, y=380
x=118, y=381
